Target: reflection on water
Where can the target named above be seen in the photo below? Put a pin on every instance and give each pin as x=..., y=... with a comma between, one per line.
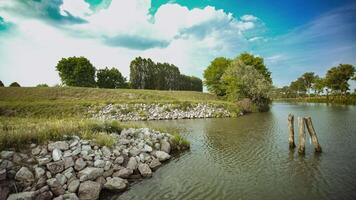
x=248, y=158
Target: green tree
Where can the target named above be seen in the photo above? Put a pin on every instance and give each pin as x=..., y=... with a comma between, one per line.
x=298, y=86
x=76, y=71
x=308, y=79
x=213, y=73
x=110, y=78
x=337, y=77
x=257, y=63
x=319, y=85
x=1, y=84
x=244, y=81
x=142, y=73
x=42, y=85
x=14, y=84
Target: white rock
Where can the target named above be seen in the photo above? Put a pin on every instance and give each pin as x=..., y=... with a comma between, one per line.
x=162, y=156
x=73, y=185
x=116, y=183
x=56, y=154
x=99, y=163
x=89, y=190
x=132, y=164
x=24, y=175
x=90, y=173
x=61, y=145
x=144, y=170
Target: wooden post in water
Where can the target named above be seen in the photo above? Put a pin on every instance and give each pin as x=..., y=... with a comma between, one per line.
x=301, y=145
x=291, y=131
x=312, y=133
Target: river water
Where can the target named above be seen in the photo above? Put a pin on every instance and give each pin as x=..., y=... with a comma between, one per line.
x=248, y=158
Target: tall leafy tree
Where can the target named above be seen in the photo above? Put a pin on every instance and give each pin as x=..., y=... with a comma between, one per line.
x=308, y=80
x=319, y=85
x=142, y=73
x=110, y=78
x=337, y=77
x=15, y=84
x=1, y=84
x=76, y=71
x=213, y=73
x=257, y=63
x=298, y=86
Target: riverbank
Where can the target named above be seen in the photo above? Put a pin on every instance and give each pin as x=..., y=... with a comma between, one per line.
x=346, y=100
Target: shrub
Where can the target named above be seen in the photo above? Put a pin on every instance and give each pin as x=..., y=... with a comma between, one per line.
x=14, y=84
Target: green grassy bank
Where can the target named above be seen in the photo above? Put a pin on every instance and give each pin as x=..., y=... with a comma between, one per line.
x=335, y=99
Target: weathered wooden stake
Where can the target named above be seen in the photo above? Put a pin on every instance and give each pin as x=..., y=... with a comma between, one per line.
x=291, y=131
x=301, y=145
x=312, y=133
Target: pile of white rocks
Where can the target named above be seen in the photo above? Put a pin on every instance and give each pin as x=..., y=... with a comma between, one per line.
x=79, y=169
x=135, y=112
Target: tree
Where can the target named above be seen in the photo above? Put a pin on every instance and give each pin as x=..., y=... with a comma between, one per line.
x=244, y=81
x=257, y=63
x=319, y=85
x=337, y=77
x=110, y=78
x=1, y=84
x=42, y=85
x=308, y=79
x=14, y=84
x=76, y=71
x=298, y=86
x=142, y=73
x=213, y=74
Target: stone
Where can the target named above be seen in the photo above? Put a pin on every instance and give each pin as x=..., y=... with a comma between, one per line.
x=55, y=186
x=43, y=161
x=165, y=146
x=147, y=148
x=107, y=165
x=100, y=180
x=134, y=151
x=89, y=190
x=57, y=154
x=61, y=179
x=3, y=174
x=39, y=172
x=76, y=151
x=86, y=148
x=35, y=151
x=124, y=141
x=47, y=195
x=56, y=167
x=41, y=182
x=68, y=162
x=116, y=184
x=22, y=196
x=108, y=173
x=90, y=173
x=61, y=145
x=154, y=164
x=74, y=143
x=119, y=160
x=24, y=175
x=60, y=197
x=162, y=156
x=67, y=153
x=7, y=154
x=106, y=151
x=132, y=164
x=70, y=196
x=79, y=164
x=144, y=170
x=123, y=173
x=157, y=146
x=73, y=185
x=99, y=163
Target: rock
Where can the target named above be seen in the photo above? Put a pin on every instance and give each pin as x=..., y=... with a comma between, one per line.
x=61, y=179
x=79, y=164
x=165, y=146
x=134, y=151
x=74, y=143
x=89, y=190
x=25, y=176
x=116, y=183
x=106, y=151
x=162, y=156
x=76, y=151
x=7, y=154
x=100, y=180
x=55, y=186
x=90, y=173
x=61, y=145
x=157, y=146
x=3, y=174
x=147, y=148
x=22, y=196
x=59, y=198
x=132, y=164
x=70, y=196
x=123, y=173
x=108, y=173
x=144, y=170
x=68, y=162
x=46, y=195
x=56, y=167
x=154, y=164
x=43, y=161
x=119, y=160
x=124, y=141
x=99, y=163
x=39, y=172
x=56, y=154
x=87, y=148
x=107, y=165
x=73, y=185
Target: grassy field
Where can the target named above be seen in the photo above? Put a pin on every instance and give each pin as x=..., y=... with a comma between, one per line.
x=74, y=102
x=346, y=100
x=36, y=115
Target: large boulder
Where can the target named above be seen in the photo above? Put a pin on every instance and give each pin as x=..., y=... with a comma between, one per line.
x=79, y=164
x=144, y=170
x=90, y=173
x=73, y=185
x=162, y=156
x=165, y=146
x=55, y=186
x=61, y=145
x=7, y=154
x=89, y=190
x=116, y=183
x=24, y=175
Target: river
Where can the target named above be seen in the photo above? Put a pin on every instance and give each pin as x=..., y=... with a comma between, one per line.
x=248, y=158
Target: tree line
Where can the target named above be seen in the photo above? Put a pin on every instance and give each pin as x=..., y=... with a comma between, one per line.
x=144, y=74
x=244, y=77
x=335, y=81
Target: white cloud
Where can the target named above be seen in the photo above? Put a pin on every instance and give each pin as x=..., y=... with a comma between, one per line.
x=248, y=18
x=77, y=8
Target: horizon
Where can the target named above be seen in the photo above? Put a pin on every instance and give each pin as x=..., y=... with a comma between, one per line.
x=292, y=37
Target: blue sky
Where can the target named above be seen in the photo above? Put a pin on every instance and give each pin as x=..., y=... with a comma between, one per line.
x=292, y=36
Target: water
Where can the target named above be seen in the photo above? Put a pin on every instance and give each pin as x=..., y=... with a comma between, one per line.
x=248, y=158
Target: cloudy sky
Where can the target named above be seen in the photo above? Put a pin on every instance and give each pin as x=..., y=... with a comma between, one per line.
x=292, y=36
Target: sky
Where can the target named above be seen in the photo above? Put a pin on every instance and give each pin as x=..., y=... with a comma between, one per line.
x=293, y=37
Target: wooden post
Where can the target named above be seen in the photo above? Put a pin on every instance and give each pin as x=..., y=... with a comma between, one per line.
x=291, y=131
x=312, y=133
x=301, y=145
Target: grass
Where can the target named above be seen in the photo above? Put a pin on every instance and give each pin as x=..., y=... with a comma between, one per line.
x=334, y=99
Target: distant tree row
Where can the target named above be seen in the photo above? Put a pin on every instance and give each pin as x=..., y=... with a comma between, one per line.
x=146, y=74
x=336, y=81
x=245, y=77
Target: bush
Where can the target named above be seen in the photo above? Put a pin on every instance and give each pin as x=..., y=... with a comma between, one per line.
x=1, y=84
x=42, y=85
x=110, y=78
x=14, y=84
